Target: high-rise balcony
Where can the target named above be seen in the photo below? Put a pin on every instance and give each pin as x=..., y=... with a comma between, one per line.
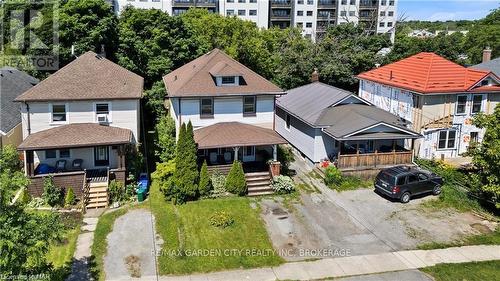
x=327, y=4
x=368, y=4
x=326, y=14
x=194, y=3
x=281, y=4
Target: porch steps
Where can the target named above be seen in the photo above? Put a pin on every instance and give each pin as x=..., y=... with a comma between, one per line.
x=258, y=183
x=223, y=169
x=98, y=195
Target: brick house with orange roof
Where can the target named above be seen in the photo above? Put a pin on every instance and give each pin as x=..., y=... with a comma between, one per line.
x=437, y=96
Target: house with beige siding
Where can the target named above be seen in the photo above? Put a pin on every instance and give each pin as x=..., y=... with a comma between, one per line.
x=438, y=97
x=231, y=109
x=79, y=124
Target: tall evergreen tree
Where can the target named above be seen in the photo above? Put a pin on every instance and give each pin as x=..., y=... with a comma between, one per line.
x=186, y=168
x=204, y=185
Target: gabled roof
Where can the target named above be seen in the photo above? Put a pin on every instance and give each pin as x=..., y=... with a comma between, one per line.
x=89, y=77
x=13, y=83
x=492, y=65
x=309, y=101
x=197, y=78
x=77, y=135
x=235, y=134
x=426, y=73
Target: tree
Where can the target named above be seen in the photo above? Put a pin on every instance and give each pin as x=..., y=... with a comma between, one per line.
x=186, y=168
x=9, y=159
x=166, y=138
x=69, y=199
x=486, y=155
x=235, y=181
x=204, y=186
x=484, y=34
x=51, y=193
x=155, y=99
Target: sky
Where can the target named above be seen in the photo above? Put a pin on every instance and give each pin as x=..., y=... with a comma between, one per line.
x=442, y=10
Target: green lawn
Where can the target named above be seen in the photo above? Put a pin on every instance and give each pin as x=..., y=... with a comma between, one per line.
x=481, y=239
x=99, y=247
x=193, y=245
x=474, y=271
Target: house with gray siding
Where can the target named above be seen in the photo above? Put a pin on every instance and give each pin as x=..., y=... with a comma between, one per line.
x=325, y=123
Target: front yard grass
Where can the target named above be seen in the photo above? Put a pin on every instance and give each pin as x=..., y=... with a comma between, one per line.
x=192, y=244
x=473, y=271
x=492, y=238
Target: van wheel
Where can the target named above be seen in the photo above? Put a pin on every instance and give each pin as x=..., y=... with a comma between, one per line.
x=405, y=198
x=437, y=190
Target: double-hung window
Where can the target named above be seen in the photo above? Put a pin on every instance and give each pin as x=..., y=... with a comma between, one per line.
x=249, y=106
x=447, y=139
x=102, y=112
x=64, y=153
x=477, y=102
x=207, y=107
x=101, y=155
x=461, y=104
x=59, y=113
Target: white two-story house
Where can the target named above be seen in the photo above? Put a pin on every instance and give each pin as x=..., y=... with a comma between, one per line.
x=79, y=123
x=438, y=97
x=230, y=107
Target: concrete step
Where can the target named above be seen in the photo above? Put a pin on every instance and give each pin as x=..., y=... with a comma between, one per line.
x=260, y=193
x=260, y=188
x=258, y=183
x=256, y=174
x=259, y=178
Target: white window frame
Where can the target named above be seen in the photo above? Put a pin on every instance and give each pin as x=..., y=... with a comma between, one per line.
x=110, y=115
x=235, y=82
x=465, y=109
x=447, y=140
x=51, y=112
x=472, y=105
x=59, y=152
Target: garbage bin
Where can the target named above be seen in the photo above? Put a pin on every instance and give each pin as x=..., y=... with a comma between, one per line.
x=141, y=194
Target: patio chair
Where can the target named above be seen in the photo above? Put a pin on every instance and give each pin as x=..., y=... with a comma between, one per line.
x=213, y=157
x=227, y=157
x=77, y=165
x=60, y=165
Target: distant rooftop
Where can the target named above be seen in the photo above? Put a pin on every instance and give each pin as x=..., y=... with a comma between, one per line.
x=492, y=65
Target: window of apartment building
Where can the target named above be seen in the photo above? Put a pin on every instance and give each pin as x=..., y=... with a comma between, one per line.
x=309, y=13
x=310, y=2
x=382, y=24
x=447, y=139
x=241, y=1
x=382, y=13
x=252, y=12
x=58, y=113
x=389, y=24
x=300, y=1
x=343, y=13
x=352, y=13
x=309, y=24
x=230, y=1
x=477, y=102
x=249, y=106
x=287, y=121
x=207, y=107
x=253, y=1
x=461, y=104
x=391, y=13
x=383, y=2
x=50, y=154
x=230, y=13
x=101, y=156
x=155, y=1
x=353, y=2
x=241, y=13
x=391, y=2
x=64, y=153
x=300, y=24
x=474, y=136
x=300, y=13
x=344, y=2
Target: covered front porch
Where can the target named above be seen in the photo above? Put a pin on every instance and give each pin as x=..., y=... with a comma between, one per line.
x=223, y=143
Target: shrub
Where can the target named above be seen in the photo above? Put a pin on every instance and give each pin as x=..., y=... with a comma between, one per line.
x=204, y=185
x=116, y=191
x=282, y=184
x=235, y=181
x=218, y=181
x=285, y=157
x=333, y=176
x=25, y=197
x=221, y=219
x=52, y=194
x=165, y=142
x=69, y=199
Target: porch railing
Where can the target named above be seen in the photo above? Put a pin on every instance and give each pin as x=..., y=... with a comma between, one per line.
x=374, y=159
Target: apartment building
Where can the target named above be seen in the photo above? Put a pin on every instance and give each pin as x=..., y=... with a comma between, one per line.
x=313, y=16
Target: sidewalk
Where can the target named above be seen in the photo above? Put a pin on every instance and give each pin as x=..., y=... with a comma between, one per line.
x=349, y=266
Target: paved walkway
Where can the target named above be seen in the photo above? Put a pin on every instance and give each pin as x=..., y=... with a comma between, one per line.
x=81, y=257
x=349, y=266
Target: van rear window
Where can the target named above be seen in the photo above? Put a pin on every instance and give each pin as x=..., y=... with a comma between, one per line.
x=386, y=177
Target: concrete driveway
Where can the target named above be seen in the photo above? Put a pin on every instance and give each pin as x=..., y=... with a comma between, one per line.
x=328, y=223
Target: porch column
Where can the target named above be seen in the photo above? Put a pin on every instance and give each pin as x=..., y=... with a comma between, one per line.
x=275, y=152
x=236, y=153
x=30, y=171
x=121, y=154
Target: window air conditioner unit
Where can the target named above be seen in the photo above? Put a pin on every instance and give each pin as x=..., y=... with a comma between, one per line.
x=102, y=118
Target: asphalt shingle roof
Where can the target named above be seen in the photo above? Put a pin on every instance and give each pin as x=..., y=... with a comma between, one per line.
x=89, y=77
x=13, y=83
x=492, y=65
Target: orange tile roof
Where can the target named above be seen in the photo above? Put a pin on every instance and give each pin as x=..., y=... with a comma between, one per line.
x=426, y=73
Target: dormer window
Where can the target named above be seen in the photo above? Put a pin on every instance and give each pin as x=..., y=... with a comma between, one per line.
x=228, y=80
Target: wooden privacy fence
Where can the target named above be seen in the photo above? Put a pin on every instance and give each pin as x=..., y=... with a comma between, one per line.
x=374, y=159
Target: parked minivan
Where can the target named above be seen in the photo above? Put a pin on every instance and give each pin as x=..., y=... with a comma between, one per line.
x=404, y=182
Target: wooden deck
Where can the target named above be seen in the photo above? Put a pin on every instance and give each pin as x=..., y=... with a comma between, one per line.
x=349, y=161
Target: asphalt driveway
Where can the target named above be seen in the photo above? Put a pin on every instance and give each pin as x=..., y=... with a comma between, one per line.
x=328, y=223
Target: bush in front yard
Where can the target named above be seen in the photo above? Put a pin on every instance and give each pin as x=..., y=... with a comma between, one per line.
x=116, y=191
x=218, y=181
x=221, y=219
x=204, y=186
x=285, y=157
x=235, y=181
x=69, y=199
x=52, y=194
x=282, y=184
x=333, y=176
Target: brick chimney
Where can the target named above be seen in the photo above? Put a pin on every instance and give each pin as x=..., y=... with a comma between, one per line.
x=315, y=76
x=487, y=54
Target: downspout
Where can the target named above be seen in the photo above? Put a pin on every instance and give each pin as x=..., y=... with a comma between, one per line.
x=29, y=120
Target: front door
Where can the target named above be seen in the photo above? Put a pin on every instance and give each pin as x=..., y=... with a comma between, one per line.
x=101, y=156
x=248, y=154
